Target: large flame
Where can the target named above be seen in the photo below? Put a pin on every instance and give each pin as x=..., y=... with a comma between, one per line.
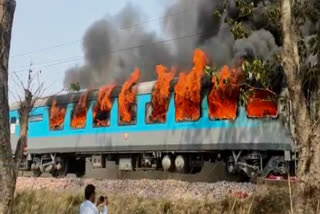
x=160, y=94
x=103, y=106
x=188, y=89
x=127, y=97
x=56, y=116
x=80, y=112
x=223, y=98
x=262, y=103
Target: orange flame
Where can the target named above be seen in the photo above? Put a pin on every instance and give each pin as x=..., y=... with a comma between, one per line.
x=127, y=97
x=80, y=113
x=188, y=89
x=160, y=94
x=103, y=105
x=262, y=103
x=56, y=116
x=223, y=98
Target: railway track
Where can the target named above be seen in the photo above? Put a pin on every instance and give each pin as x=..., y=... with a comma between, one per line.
x=211, y=172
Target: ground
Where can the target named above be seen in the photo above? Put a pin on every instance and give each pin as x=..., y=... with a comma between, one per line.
x=48, y=195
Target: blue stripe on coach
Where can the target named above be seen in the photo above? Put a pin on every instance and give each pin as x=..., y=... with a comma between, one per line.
x=41, y=128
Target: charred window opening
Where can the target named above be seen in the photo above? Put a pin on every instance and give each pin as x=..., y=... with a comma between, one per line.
x=191, y=112
x=78, y=123
x=262, y=104
x=56, y=116
x=160, y=95
x=149, y=119
x=79, y=113
x=127, y=99
x=133, y=121
x=101, y=118
x=224, y=95
x=229, y=113
x=188, y=90
x=102, y=108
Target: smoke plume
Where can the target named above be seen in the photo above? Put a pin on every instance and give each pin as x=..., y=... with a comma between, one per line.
x=113, y=48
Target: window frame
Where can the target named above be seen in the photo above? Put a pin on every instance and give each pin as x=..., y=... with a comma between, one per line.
x=64, y=120
x=30, y=120
x=147, y=116
x=185, y=120
x=131, y=123
x=71, y=116
x=108, y=119
x=223, y=119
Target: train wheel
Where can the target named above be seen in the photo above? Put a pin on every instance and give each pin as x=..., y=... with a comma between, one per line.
x=181, y=164
x=36, y=172
x=36, y=167
x=63, y=169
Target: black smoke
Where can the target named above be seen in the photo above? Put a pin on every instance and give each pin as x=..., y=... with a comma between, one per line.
x=114, y=47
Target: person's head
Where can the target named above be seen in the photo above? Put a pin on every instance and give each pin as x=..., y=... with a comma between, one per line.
x=90, y=193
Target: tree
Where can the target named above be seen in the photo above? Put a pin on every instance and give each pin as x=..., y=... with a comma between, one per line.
x=287, y=21
x=31, y=96
x=7, y=177
x=307, y=131
x=25, y=106
x=8, y=166
x=295, y=26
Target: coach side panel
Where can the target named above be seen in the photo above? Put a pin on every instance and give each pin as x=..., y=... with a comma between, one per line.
x=204, y=134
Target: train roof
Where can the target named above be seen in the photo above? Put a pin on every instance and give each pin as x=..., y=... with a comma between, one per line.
x=73, y=97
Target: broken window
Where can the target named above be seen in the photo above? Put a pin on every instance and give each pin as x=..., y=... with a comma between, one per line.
x=100, y=118
x=148, y=115
x=56, y=116
x=261, y=104
x=133, y=117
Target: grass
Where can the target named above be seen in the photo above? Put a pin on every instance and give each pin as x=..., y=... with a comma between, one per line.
x=267, y=199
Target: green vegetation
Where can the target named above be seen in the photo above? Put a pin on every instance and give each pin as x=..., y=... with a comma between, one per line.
x=267, y=199
x=75, y=86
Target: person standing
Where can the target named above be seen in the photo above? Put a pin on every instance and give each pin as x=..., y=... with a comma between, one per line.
x=88, y=206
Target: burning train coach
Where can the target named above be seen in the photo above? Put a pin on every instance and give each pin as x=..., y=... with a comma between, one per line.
x=172, y=125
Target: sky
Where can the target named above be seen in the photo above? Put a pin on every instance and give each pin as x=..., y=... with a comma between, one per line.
x=47, y=36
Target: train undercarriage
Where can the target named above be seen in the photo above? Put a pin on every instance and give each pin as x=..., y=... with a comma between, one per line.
x=245, y=164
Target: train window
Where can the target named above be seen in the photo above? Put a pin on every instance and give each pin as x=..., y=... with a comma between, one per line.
x=35, y=118
x=222, y=109
x=149, y=119
x=186, y=111
x=100, y=118
x=262, y=104
x=79, y=121
x=133, y=117
x=13, y=120
x=56, y=117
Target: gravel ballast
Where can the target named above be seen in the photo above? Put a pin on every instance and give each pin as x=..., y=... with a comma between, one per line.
x=145, y=188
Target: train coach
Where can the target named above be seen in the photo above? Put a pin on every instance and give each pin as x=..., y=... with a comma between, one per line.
x=248, y=145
